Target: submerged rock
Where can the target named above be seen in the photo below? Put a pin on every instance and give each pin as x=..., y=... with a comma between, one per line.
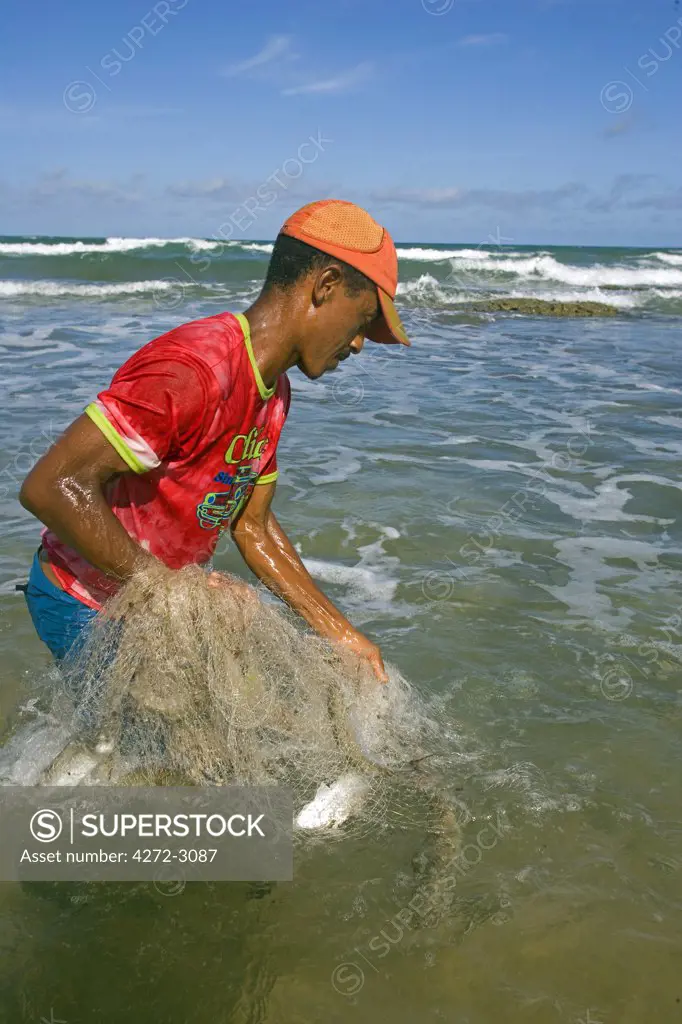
x=542, y=307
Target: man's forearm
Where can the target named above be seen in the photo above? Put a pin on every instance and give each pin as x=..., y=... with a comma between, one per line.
x=270, y=555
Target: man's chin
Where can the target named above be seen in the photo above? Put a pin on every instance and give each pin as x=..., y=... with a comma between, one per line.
x=312, y=374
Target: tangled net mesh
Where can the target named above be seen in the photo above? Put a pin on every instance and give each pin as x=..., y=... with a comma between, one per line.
x=189, y=683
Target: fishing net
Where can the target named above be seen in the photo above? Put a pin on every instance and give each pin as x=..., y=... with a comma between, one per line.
x=184, y=682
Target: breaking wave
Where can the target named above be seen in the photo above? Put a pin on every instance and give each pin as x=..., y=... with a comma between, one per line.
x=109, y=245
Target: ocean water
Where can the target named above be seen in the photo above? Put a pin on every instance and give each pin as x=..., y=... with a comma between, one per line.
x=499, y=506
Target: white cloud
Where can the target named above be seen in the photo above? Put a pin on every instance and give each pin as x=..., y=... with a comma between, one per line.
x=495, y=199
x=419, y=196
x=276, y=48
x=55, y=186
x=219, y=189
x=339, y=83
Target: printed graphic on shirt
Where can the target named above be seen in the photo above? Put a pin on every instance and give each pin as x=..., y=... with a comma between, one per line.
x=247, y=446
x=220, y=507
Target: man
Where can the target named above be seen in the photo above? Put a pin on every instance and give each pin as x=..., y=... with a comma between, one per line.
x=182, y=445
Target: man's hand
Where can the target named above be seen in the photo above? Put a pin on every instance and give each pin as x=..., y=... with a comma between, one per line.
x=363, y=648
x=219, y=579
x=245, y=595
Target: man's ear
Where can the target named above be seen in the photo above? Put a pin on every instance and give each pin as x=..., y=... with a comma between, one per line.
x=327, y=280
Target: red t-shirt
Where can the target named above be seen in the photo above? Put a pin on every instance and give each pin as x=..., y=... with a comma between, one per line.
x=191, y=416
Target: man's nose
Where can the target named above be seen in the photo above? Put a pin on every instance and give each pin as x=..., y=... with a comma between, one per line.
x=357, y=344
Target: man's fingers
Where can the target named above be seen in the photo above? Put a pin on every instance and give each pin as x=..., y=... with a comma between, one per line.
x=216, y=579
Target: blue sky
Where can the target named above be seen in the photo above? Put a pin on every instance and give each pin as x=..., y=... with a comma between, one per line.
x=550, y=121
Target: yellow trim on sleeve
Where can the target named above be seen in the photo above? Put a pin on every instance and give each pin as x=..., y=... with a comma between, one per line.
x=114, y=438
x=268, y=478
x=262, y=390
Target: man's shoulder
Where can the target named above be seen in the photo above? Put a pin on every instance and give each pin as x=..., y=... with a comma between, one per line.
x=211, y=338
x=207, y=346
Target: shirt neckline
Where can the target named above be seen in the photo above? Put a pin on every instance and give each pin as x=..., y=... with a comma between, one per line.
x=264, y=392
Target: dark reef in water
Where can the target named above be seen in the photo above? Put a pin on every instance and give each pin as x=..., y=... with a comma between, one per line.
x=542, y=307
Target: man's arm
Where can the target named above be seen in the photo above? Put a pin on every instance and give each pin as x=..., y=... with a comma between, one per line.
x=65, y=490
x=269, y=554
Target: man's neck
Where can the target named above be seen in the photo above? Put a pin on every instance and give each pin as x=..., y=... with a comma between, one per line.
x=273, y=341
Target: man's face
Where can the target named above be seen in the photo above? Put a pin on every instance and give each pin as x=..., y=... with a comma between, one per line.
x=336, y=325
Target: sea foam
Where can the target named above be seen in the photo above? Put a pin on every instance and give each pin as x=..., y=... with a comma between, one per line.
x=111, y=245
x=58, y=289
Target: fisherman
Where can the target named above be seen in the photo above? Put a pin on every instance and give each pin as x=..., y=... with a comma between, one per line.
x=182, y=444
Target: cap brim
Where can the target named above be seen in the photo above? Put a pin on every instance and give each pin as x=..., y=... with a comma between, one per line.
x=387, y=328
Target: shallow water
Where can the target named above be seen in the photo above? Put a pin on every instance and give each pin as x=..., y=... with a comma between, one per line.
x=500, y=507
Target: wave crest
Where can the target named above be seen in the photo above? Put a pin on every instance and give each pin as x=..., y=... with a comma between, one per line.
x=110, y=245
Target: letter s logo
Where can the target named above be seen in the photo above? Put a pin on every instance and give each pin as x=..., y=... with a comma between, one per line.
x=46, y=825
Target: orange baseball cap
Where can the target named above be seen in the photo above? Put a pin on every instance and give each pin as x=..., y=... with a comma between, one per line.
x=348, y=232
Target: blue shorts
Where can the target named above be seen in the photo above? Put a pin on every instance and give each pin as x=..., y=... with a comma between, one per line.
x=60, y=620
